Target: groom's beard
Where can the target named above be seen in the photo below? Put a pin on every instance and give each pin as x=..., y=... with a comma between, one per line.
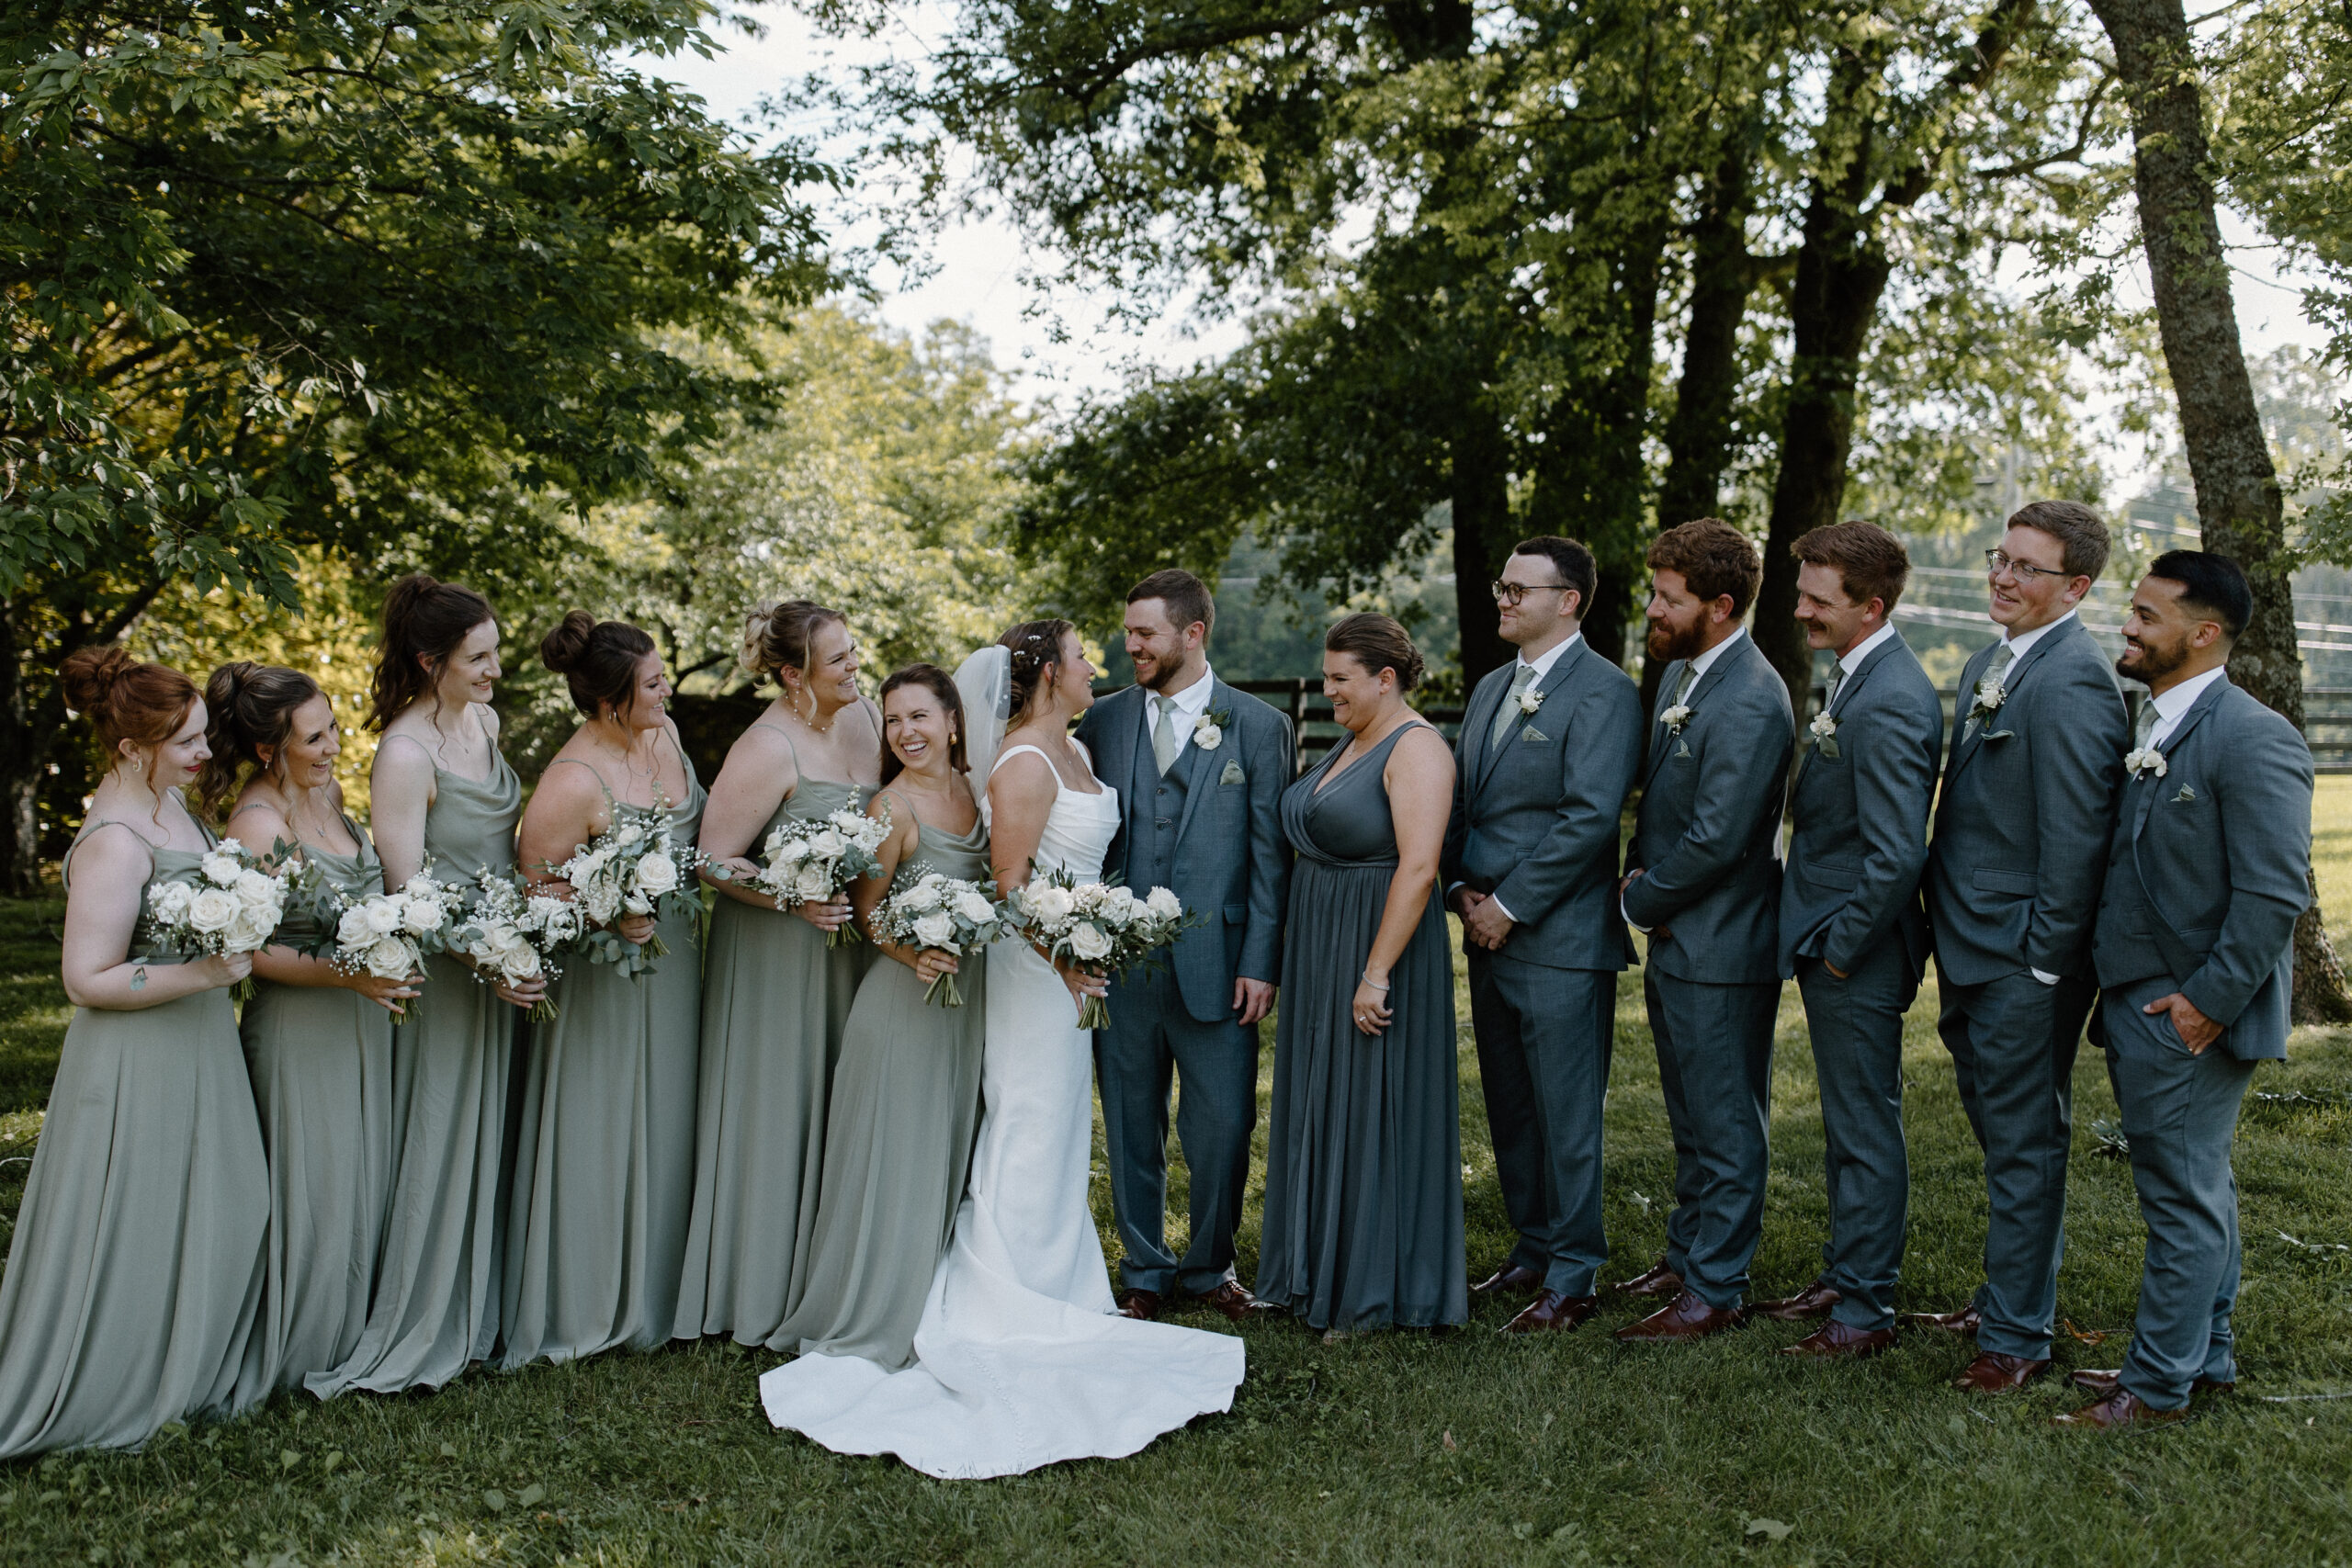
x=1162, y=672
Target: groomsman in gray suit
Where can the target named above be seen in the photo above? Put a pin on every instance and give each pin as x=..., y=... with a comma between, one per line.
x=2013, y=876
x=1545, y=757
x=1852, y=932
x=1705, y=885
x=1200, y=769
x=2195, y=952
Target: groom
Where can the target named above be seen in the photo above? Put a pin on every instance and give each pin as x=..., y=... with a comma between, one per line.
x=1200, y=769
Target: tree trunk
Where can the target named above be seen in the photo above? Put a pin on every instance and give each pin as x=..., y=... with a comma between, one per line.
x=1481, y=533
x=1697, y=436
x=2240, y=507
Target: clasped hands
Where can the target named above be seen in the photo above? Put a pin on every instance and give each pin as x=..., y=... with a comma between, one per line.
x=1482, y=921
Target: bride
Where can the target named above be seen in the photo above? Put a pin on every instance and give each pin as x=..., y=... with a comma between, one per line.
x=1020, y=1358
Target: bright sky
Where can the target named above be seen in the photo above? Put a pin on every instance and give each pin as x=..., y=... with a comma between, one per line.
x=981, y=271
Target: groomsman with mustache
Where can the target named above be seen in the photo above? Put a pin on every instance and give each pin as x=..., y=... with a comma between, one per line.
x=2013, y=881
x=2206, y=874
x=1852, y=932
x=1705, y=884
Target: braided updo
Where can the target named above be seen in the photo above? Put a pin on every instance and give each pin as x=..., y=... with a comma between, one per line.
x=1037, y=647
x=246, y=707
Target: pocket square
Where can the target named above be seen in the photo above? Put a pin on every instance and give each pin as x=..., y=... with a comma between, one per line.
x=1531, y=733
x=1828, y=746
x=1232, y=775
x=2000, y=735
x=1682, y=749
x=2185, y=794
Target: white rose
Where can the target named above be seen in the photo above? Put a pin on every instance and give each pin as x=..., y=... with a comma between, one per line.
x=170, y=900
x=657, y=874
x=250, y=932
x=256, y=891
x=1208, y=737
x=385, y=915
x=1121, y=905
x=422, y=885
x=519, y=963
x=212, y=911
x=1053, y=904
x=921, y=896
x=221, y=869
x=353, y=931
x=813, y=885
x=420, y=913
x=630, y=833
x=1164, y=905
x=827, y=844
x=1087, y=941
x=975, y=909
x=786, y=849
x=391, y=959
x=935, y=930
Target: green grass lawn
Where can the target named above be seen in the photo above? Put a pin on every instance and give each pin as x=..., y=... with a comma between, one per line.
x=1402, y=1448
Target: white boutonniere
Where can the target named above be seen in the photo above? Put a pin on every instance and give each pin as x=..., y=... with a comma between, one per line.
x=1990, y=695
x=2146, y=760
x=1675, y=718
x=1208, y=730
x=1824, y=730
x=1529, y=701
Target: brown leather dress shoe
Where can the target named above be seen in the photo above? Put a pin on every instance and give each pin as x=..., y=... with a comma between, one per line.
x=1686, y=1318
x=1993, y=1373
x=1965, y=1321
x=1658, y=1279
x=1835, y=1338
x=1141, y=1305
x=1510, y=1279
x=1553, y=1310
x=2104, y=1381
x=2121, y=1408
x=1234, y=1300
x=1814, y=1301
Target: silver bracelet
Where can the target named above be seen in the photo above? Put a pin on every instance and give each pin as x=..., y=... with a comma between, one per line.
x=1375, y=985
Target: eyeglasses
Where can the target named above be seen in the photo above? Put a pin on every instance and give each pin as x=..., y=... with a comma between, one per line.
x=1512, y=592
x=1997, y=562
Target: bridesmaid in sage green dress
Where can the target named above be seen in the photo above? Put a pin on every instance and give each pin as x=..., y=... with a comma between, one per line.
x=776, y=997
x=441, y=794
x=605, y=1153
x=135, y=1275
x=1363, y=1150
x=907, y=1092
x=318, y=1043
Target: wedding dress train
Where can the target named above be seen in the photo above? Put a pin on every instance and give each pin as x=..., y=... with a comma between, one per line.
x=1020, y=1358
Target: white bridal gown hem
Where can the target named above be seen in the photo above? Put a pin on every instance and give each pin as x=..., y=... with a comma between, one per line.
x=1021, y=1358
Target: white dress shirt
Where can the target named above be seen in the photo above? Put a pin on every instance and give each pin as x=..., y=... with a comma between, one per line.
x=2172, y=703
x=1191, y=703
x=1542, y=664
x=1852, y=660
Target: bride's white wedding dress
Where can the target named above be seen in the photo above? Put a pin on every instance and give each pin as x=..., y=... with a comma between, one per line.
x=1020, y=1358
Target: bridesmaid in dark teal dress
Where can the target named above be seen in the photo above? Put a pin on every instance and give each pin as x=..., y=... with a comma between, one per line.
x=1363, y=1151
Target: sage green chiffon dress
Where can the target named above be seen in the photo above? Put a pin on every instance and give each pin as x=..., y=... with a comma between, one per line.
x=135, y=1276
x=897, y=1143
x=320, y=1058
x=774, y=1002
x=604, y=1160
x=435, y=1308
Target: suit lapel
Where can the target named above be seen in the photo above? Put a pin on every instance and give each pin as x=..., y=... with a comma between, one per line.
x=1192, y=761
x=1552, y=682
x=1846, y=690
x=2206, y=702
x=1968, y=745
x=1125, y=734
x=1666, y=685
x=1479, y=718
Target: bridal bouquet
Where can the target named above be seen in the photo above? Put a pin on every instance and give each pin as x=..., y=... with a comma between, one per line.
x=815, y=859
x=634, y=867
x=946, y=912
x=387, y=934
x=513, y=934
x=225, y=904
x=1101, y=925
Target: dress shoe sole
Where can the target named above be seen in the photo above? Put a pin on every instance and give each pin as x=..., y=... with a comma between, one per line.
x=1842, y=1353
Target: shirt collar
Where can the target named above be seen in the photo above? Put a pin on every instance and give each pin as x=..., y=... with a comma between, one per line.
x=1542, y=663
x=2176, y=701
x=1851, y=661
x=1194, y=700
x=2019, y=642
x=1702, y=664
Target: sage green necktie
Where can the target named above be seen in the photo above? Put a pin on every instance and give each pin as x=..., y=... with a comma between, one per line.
x=1837, y=679
x=2003, y=657
x=1164, y=744
x=1683, y=687
x=1506, y=715
x=2145, y=725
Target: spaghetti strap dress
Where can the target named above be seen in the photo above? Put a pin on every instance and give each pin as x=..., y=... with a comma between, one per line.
x=898, y=1141
x=604, y=1159
x=776, y=1001
x=135, y=1275
x=321, y=1057
x=1363, y=1147
x=436, y=1307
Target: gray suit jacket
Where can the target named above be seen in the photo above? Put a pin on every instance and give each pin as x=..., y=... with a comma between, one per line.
x=1707, y=839
x=1535, y=819
x=1232, y=862
x=2027, y=803
x=2210, y=866
x=1858, y=808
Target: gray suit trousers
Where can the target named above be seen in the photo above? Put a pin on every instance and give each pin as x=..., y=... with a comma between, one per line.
x=2180, y=1113
x=1151, y=1036
x=2012, y=1042
x=1714, y=1061
x=1857, y=1029
x=1544, y=1045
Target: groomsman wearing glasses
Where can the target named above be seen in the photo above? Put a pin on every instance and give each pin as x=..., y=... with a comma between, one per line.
x=2195, y=950
x=1705, y=885
x=1545, y=757
x=1851, y=928
x=2013, y=878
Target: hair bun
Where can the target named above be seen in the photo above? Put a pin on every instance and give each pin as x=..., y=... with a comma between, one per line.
x=90, y=673
x=751, y=655
x=562, y=649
